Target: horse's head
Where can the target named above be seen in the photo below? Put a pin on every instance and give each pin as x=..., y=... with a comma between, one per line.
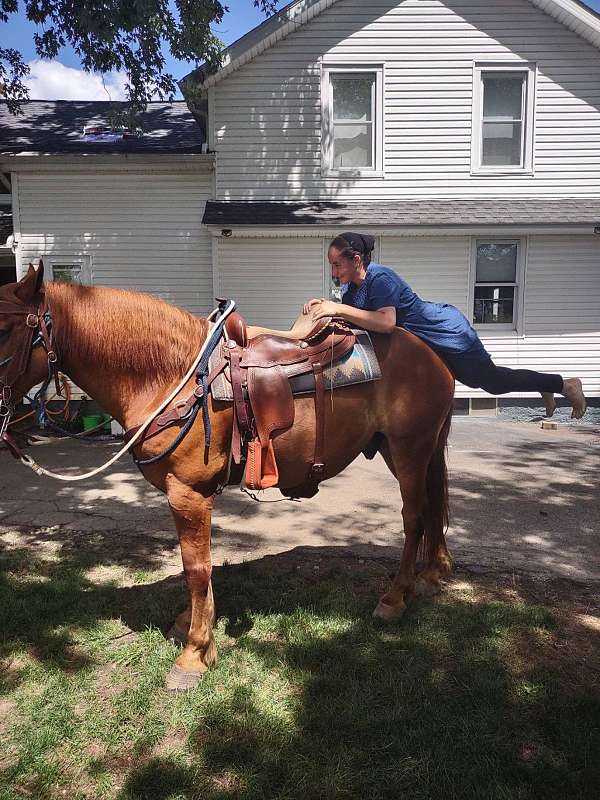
x=22, y=364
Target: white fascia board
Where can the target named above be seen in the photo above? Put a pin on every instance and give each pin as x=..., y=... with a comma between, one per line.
x=574, y=16
x=298, y=15
x=319, y=231
x=53, y=162
x=570, y=13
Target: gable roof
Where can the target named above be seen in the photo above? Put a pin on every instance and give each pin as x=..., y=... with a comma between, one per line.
x=573, y=14
x=56, y=126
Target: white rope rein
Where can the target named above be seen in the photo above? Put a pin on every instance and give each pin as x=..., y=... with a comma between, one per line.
x=39, y=470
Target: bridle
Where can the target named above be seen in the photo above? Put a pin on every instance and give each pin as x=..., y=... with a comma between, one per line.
x=36, y=331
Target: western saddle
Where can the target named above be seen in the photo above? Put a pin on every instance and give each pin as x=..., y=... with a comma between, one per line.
x=261, y=362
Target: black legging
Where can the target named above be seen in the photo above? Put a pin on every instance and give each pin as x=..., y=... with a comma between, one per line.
x=478, y=371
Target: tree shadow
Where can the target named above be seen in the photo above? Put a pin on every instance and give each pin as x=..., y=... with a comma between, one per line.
x=512, y=510
x=434, y=706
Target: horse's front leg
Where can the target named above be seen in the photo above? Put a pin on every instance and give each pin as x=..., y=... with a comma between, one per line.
x=192, y=513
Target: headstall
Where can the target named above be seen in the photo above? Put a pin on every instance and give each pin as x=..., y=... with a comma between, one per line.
x=37, y=330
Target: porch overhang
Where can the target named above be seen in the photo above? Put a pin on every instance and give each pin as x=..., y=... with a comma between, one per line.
x=409, y=217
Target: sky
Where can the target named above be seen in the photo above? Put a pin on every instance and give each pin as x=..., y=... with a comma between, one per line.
x=63, y=79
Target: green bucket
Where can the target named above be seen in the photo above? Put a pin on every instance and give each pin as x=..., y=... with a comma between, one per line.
x=91, y=421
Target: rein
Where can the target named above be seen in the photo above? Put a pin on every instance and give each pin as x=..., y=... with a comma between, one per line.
x=44, y=325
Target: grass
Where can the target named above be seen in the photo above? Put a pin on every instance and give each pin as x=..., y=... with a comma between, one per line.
x=480, y=693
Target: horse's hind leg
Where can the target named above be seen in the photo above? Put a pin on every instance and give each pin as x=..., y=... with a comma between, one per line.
x=439, y=565
x=192, y=514
x=409, y=465
x=438, y=559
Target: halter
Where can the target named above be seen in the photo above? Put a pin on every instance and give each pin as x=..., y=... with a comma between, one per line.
x=37, y=330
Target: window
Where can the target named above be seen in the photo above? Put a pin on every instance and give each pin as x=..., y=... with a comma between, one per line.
x=503, y=119
x=497, y=274
x=69, y=270
x=352, y=120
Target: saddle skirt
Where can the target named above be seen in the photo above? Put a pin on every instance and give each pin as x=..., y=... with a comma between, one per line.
x=360, y=365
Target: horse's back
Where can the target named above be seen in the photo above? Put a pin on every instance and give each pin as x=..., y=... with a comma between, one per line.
x=416, y=385
x=411, y=399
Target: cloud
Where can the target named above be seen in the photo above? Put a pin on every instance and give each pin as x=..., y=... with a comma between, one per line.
x=51, y=80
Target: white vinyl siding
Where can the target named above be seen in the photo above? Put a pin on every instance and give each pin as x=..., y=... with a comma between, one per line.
x=140, y=229
x=270, y=279
x=267, y=115
x=437, y=268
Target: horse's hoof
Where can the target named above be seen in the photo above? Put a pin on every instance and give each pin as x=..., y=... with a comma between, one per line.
x=388, y=613
x=176, y=636
x=425, y=588
x=180, y=680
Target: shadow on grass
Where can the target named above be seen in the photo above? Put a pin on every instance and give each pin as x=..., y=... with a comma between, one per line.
x=315, y=699
x=41, y=600
x=323, y=702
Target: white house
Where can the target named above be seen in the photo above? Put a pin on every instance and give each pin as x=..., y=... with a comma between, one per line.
x=111, y=212
x=464, y=134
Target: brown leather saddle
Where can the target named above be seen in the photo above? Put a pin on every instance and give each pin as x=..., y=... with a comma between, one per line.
x=261, y=363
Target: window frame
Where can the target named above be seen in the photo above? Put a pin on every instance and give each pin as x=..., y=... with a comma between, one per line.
x=516, y=326
x=85, y=261
x=528, y=123
x=327, y=169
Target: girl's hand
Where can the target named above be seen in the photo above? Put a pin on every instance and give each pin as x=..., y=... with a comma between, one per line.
x=327, y=308
x=314, y=302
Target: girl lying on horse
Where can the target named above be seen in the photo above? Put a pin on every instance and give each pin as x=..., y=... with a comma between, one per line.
x=378, y=299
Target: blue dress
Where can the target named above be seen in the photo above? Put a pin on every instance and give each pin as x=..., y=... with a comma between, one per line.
x=448, y=332
x=442, y=326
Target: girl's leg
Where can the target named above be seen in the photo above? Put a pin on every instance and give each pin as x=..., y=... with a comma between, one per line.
x=479, y=371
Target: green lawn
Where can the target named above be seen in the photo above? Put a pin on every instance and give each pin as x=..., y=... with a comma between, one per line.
x=479, y=693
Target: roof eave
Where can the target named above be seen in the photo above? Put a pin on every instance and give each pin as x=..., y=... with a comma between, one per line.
x=320, y=230
x=575, y=16
x=28, y=161
x=571, y=13
x=260, y=39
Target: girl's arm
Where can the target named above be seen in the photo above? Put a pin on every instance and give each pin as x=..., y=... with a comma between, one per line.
x=381, y=321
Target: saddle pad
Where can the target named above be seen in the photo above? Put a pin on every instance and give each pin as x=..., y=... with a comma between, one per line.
x=360, y=365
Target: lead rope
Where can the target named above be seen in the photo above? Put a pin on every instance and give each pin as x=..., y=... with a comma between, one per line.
x=214, y=326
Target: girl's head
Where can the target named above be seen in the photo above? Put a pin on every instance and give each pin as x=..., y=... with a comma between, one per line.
x=349, y=255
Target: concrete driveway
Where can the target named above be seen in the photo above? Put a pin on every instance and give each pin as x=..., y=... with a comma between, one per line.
x=522, y=498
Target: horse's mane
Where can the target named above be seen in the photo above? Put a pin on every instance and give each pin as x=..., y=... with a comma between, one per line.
x=123, y=332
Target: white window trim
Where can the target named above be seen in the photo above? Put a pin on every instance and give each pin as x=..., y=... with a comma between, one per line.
x=50, y=259
x=527, y=167
x=516, y=327
x=327, y=170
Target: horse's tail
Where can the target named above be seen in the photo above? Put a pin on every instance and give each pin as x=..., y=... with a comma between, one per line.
x=436, y=515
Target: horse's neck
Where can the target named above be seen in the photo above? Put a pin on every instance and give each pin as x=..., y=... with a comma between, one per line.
x=122, y=349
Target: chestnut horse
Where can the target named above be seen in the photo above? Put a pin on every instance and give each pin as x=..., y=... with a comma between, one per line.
x=128, y=350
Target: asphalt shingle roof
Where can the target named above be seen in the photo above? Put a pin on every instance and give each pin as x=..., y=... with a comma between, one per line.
x=407, y=213
x=56, y=126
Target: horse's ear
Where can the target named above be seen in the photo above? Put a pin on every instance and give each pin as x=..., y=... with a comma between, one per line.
x=39, y=277
x=30, y=285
